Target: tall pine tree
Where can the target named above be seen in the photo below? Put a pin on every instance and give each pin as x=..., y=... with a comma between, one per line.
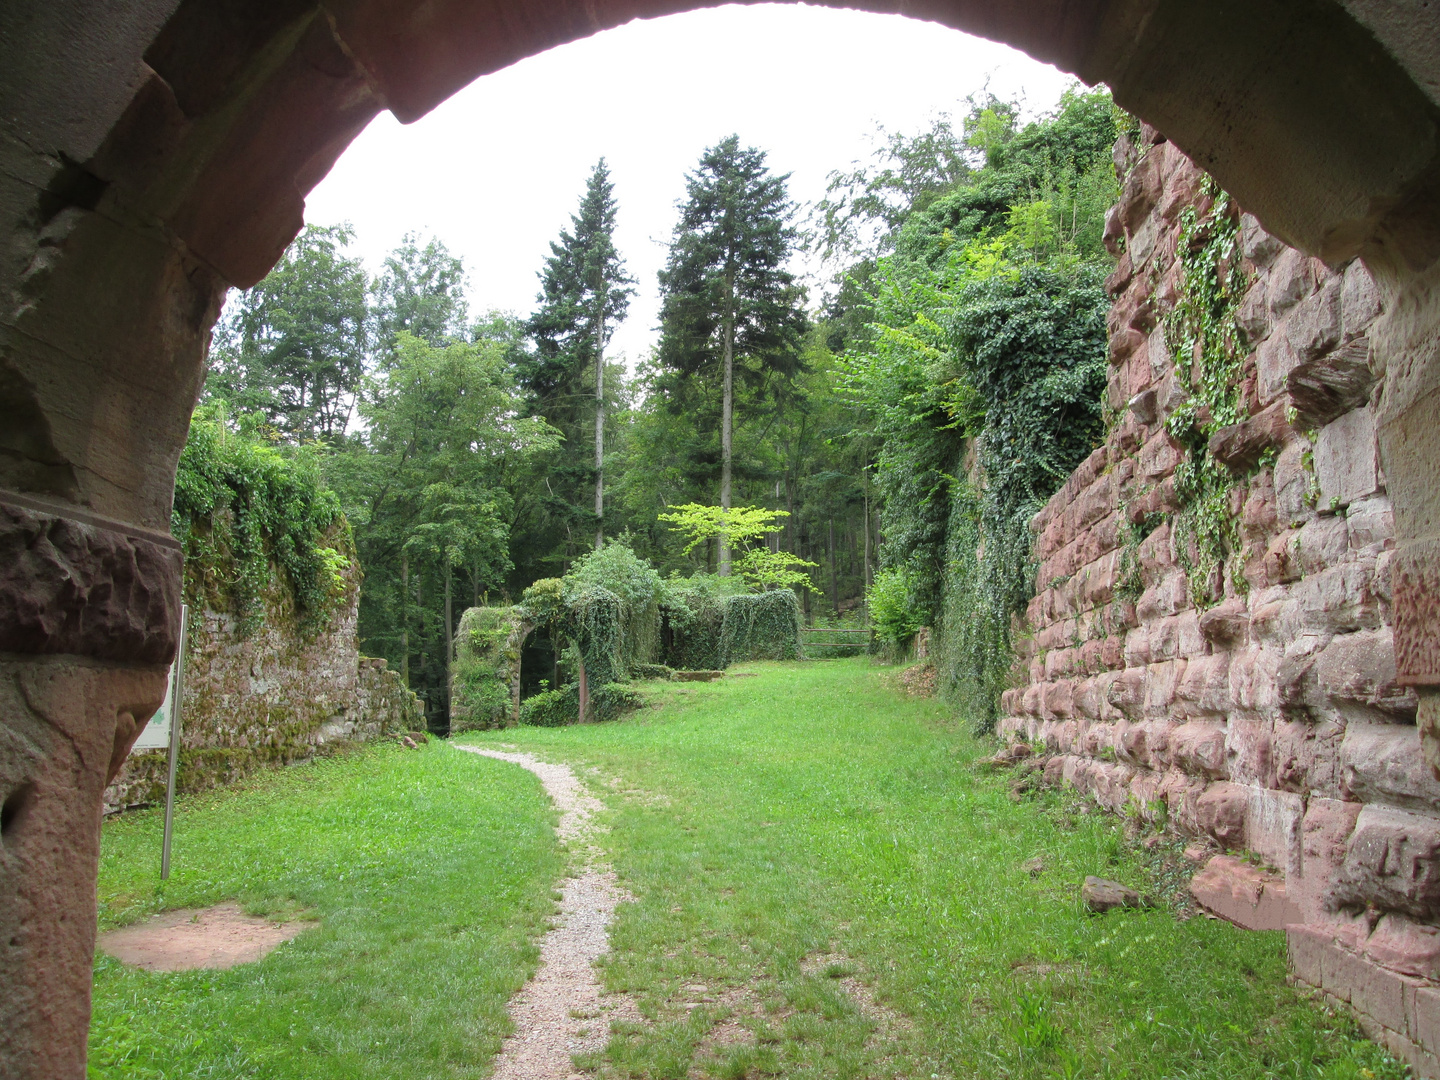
x=725, y=291
x=585, y=294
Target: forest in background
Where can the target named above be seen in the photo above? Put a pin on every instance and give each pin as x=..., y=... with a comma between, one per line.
x=909, y=417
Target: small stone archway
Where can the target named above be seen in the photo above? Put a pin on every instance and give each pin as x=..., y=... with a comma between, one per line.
x=154, y=154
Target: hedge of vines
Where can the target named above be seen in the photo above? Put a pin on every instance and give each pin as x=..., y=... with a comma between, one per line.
x=244, y=510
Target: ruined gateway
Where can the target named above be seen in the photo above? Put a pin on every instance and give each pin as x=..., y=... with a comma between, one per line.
x=154, y=154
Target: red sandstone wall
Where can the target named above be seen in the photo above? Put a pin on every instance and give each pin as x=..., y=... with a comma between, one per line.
x=1268, y=720
x=268, y=697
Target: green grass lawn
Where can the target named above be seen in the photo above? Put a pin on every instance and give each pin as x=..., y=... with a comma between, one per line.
x=430, y=873
x=812, y=811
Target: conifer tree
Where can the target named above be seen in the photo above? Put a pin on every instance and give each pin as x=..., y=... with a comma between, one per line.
x=725, y=291
x=585, y=293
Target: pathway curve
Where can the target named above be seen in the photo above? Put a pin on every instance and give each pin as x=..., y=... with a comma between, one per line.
x=560, y=1011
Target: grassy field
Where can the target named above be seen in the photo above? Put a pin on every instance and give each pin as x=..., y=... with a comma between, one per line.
x=799, y=835
x=429, y=872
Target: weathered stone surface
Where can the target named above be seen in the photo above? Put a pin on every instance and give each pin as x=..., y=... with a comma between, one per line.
x=1415, y=576
x=1314, y=326
x=1221, y=811
x=1340, y=599
x=1101, y=895
x=1383, y=764
x=76, y=586
x=1360, y=668
x=1359, y=299
x=1392, y=863
x=1326, y=387
x=1347, y=459
x=1240, y=446
x=1246, y=895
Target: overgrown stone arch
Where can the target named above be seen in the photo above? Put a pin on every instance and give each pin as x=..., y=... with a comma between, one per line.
x=154, y=154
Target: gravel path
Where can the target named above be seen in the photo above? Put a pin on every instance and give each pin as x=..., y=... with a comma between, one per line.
x=561, y=1012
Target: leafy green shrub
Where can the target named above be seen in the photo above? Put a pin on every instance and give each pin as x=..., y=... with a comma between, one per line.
x=552, y=708
x=760, y=626
x=595, y=623
x=651, y=671
x=616, y=568
x=893, y=611
x=559, y=707
x=693, y=615
x=487, y=654
x=242, y=509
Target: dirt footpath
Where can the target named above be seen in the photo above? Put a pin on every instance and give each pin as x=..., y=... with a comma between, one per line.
x=561, y=1011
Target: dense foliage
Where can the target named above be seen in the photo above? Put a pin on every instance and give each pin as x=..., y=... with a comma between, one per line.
x=912, y=421
x=982, y=369
x=242, y=508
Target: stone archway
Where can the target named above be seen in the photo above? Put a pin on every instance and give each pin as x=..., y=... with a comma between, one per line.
x=156, y=153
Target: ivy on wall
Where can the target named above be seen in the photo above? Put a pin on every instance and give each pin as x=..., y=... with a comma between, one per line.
x=1204, y=336
x=243, y=509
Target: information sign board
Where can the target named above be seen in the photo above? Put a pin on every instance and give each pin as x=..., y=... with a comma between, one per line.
x=156, y=735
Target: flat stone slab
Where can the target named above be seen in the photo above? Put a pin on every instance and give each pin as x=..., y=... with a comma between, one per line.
x=182, y=940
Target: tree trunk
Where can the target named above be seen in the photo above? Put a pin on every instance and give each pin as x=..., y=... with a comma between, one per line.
x=405, y=618
x=867, y=547
x=584, y=692
x=834, y=574
x=600, y=436
x=449, y=646
x=727, y=410
x=774, y=538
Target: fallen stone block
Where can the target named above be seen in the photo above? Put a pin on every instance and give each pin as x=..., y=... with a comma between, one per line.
x=1102, y=895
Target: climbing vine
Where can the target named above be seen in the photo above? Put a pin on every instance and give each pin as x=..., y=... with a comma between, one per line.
x=1203, y=330
x=242, y=508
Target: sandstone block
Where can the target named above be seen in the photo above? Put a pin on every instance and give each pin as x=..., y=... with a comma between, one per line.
x=1359, y=299
x=1369, y=522
x=1424, y=1018
x=1101, y=895
x=1221, y=811
x=1240, y=446
x=1254, y=681
x=1347, y=459
x=1292, y=277
x=1416, y=580
x=1292, y=483
x=1275, y=358
x=1249, y=752
x=1254, y=311
x=1305, y=946
x=1159, y=456
x=1243, y=894
x=1392, y=863
x=1168, y=596
x=1360, y=668
x=1162, y=681
x=1198, y=747
x=1314, y=325
x=1256, y=244
x=1325, y=836
x=1226, y=624
x=1324, y=388
x=1321, y=543
x=1127, y=692
x=1339, y=599
x=1207, y=683
x=1274, y=829
x=1403, y=945
x=1306, y=754
x=1382, y=763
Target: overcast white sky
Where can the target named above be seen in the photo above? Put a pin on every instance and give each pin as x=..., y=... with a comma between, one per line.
x=496, y=171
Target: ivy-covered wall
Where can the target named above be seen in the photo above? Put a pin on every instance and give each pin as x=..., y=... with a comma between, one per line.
x=1211, y=642
x=272, y=663
x=273, y=695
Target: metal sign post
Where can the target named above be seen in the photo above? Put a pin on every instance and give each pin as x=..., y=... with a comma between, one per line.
x=177, y=691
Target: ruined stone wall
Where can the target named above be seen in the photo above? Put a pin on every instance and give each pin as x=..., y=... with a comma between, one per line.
x=269, y=697
x=1260, y=708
